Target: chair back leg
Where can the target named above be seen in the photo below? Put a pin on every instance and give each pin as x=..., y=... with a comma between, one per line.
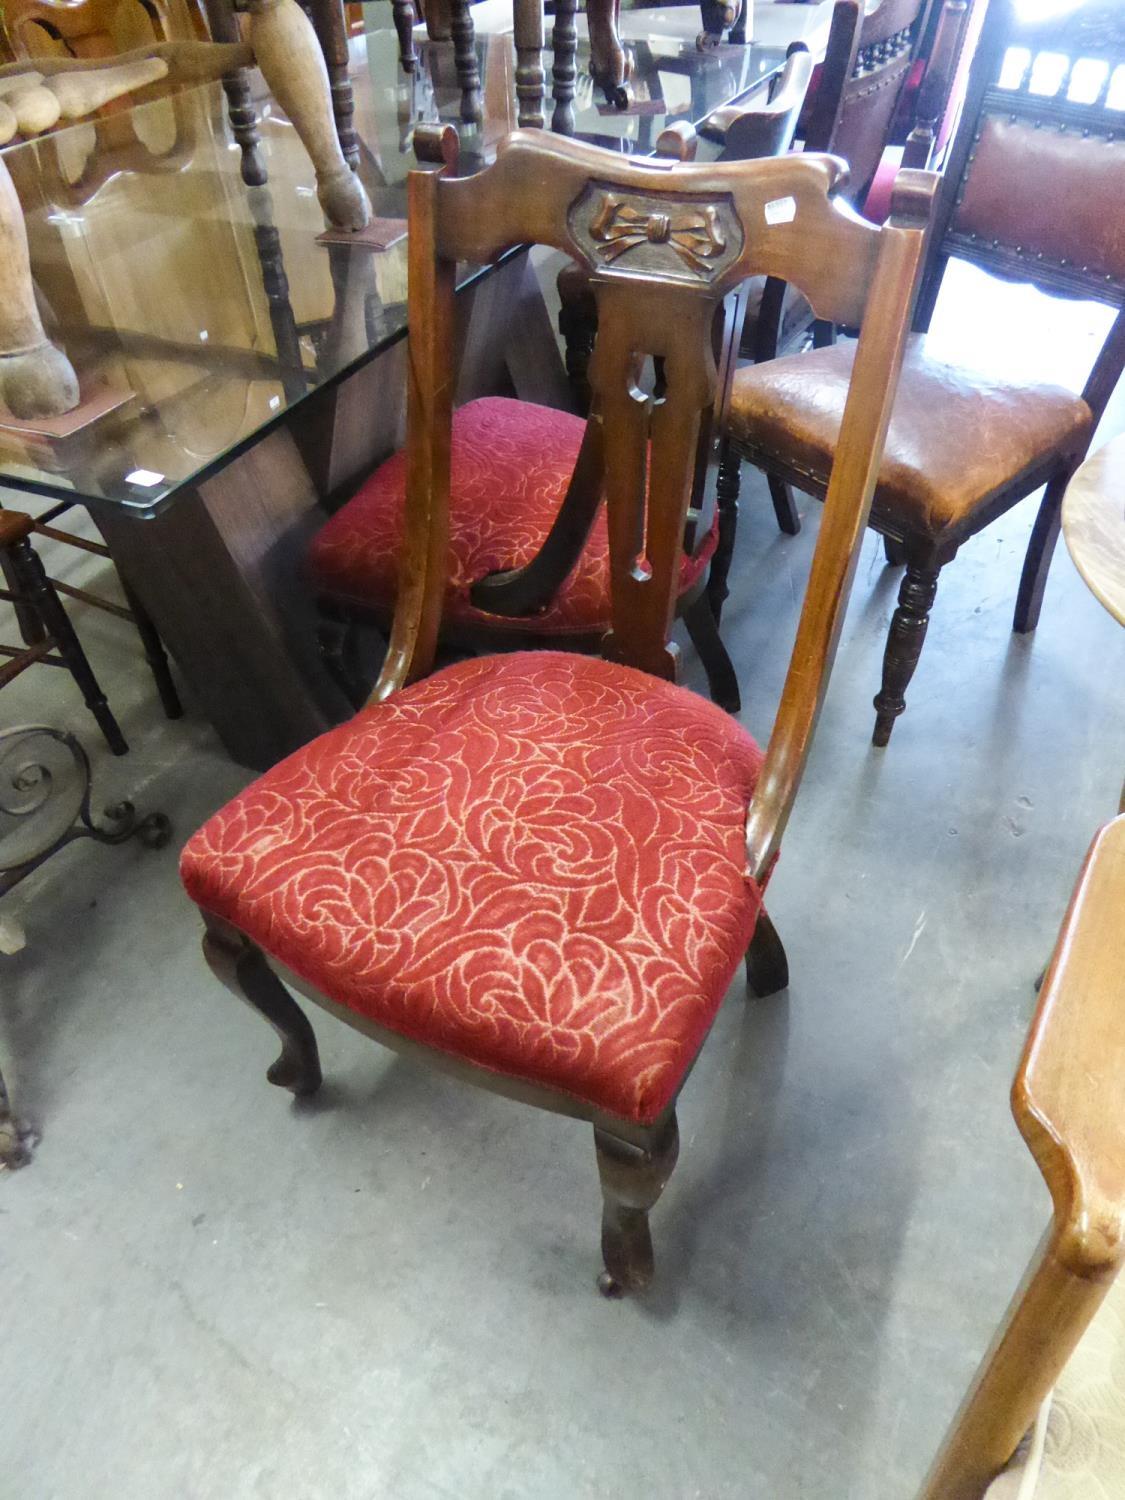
x=1047, y=1317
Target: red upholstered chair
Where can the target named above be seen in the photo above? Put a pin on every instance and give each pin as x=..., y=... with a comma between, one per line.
x=1034, y=192
x=541, y=869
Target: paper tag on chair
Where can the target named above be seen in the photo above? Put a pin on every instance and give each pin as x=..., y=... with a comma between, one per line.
x=781, y=211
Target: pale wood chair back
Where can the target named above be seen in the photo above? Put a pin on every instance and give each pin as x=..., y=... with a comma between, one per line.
x=96, y=28
x=664, y=243
x=1067, y=1102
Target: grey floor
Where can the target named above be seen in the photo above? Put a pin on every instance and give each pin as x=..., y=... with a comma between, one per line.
x=210, y=1292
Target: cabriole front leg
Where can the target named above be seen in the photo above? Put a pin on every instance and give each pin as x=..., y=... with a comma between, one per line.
x=289, y=55
x=633, y=1178
x=237, y=963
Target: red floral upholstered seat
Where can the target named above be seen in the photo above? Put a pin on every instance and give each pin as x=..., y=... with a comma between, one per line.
x=535, y=862
x=511, y=464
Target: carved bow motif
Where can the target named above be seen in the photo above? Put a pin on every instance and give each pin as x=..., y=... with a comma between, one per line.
x=694, y=233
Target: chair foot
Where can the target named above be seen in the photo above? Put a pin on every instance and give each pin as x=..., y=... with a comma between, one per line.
x=767, y=967
x=904, y=647
x=17, y=1139
x=579, y=332
x=1037, y=562
x=241, y=966
x=633, y=1178
x=784, y=505
x=722, y=680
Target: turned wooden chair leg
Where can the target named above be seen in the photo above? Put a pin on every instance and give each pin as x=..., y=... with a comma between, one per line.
x=336, y=637
x=1040, y=550
x=236, y=86
x=288, y=52
x=564, y=66
x=530, y=78
x=37, y=590
x=155, y=655
x=633, y=1178
x=904, y=646
x=722, y=679
x=727, y=487
x=36, y=379
x=241, y=966
x=784, y=505
x=607, y=56
x=579, y=332
x=331, y=29
x=465, y=60
x=767, y=967
x=404, y=16
x=16, y=1138
x=28, y=623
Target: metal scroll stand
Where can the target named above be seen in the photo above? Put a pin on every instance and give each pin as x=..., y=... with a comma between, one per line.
x=45, y=805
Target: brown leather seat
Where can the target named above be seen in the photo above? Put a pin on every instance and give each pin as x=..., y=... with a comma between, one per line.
x=956, y=437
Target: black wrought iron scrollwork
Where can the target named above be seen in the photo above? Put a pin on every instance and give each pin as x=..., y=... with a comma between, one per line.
x=45, y=805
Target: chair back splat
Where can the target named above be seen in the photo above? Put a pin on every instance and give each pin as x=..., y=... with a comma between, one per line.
x=664, y=244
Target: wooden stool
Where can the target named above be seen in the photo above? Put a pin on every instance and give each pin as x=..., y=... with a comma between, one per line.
x=51, y=637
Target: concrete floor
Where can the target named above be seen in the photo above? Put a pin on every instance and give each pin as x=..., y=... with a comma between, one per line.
x=211, y=1292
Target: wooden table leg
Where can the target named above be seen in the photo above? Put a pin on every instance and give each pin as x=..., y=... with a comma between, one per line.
x=289, y=55
x=221, y=573
x=564, y=68
x=36, y=379
x=332, y=33
x=236, y=86
x=530, y=79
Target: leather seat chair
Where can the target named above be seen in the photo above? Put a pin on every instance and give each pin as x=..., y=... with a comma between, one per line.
x=1035, y=192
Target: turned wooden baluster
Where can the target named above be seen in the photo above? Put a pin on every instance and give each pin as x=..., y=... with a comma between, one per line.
x=288, y=53
x=530, y=79
x=564, y=70
x=36, y=379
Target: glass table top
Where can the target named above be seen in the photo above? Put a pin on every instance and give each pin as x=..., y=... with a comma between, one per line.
x=207, y=308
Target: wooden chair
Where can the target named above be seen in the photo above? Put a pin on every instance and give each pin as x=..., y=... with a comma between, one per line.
x=961, y=452
x=50, y=638
x=1066, y=1100
x=540, y=870
x=849, y=111
x=931, y=101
